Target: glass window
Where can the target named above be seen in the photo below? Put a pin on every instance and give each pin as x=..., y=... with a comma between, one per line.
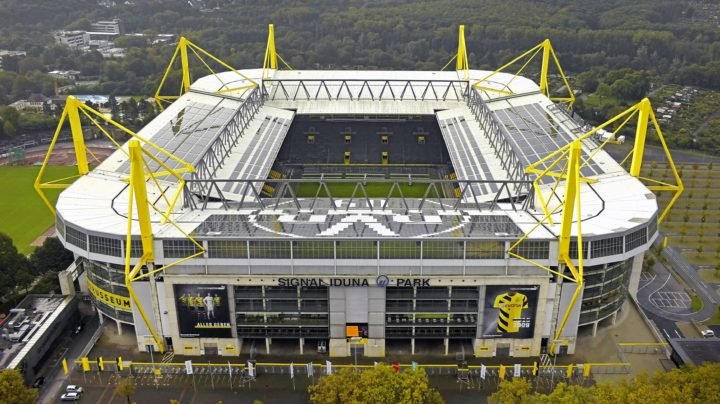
x=136, y=248
x=351, y=249
x=533, y=249
x=574, y=249
x=440, y=249
x=400, y=250
x=227, y=249
x=75, y=237
x=313, y=249
x=607, y=246
x=179, y=248
x=270, y=249
x=105, y=246
x=60, y=226
x=484, y=249
x=635, y=239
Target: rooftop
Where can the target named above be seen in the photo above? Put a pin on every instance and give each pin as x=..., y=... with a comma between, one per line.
x=29, y=320
x=201, y=127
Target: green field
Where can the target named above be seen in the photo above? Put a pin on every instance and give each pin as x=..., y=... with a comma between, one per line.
x=693, y=222
x=373, y=189
x=23, y=215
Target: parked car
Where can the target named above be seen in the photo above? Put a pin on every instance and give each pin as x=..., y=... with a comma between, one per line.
x=38, y=382
x=73, y=389
x=708, y=334
x=70, y=397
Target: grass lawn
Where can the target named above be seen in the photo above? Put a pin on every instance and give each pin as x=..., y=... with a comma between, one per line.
x=715, y=319
x=374, y=190
x=709, y=275
x=24, y=215
x=696, y=304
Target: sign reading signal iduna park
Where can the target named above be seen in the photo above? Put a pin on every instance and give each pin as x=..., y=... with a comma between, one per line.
x=380, y=281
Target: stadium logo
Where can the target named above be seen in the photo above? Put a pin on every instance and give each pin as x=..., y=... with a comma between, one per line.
x=382, y=281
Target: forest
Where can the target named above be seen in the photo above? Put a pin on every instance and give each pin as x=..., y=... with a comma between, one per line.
x=623, y=45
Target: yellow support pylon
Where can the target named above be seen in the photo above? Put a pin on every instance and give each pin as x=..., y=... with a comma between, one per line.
x=270, y=62
x=646, y=116
x=460, y=58
x=548, y=53
x=570, y=214
x=73, y=111
x=184, y=49
x=137, y=195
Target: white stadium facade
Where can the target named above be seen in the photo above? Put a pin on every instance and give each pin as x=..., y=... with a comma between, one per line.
x=359, y=211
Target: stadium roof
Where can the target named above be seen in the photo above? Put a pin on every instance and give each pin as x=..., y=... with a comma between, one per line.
x=192, y=125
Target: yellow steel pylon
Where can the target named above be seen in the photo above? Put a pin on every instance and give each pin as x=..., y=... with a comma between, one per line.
x=73, y=111
x=181, y=52
x=645, y=115
x=460, y=58
x=270, y=62
x=571, y=212
x=547, y=53
x=137, y=195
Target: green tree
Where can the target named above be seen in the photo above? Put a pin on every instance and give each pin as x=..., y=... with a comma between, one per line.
x=13, y=389
x=380, y=384
x=125, y=388
x=51, y=256
x=691, y=384
x=514, y=391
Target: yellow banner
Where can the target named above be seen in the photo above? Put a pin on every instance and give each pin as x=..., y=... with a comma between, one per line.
x=121, y=302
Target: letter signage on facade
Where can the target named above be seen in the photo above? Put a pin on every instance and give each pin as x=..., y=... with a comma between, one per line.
x=117, y=301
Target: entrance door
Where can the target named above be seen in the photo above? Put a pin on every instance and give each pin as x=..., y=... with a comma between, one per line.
x=210, y=349
x=502, y=350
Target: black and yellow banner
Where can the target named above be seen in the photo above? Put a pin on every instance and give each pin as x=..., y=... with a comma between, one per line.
x=121, y=302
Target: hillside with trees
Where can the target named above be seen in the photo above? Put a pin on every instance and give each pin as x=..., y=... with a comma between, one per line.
x=614, y=48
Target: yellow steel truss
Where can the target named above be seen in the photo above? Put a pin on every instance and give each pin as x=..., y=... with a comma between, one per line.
x=460, y=58
x=571, y=212
x=547, y=53
x=270, y=62
x=72, y=112
x=137, y=193
x=181, y=52
x=644, y=112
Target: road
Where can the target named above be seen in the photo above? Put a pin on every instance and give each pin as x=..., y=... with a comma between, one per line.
x=68, y=346
x=689, y=274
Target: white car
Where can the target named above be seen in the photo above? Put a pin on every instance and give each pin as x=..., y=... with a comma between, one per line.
x=708, y=333
x=70, y=397
x=73, y=389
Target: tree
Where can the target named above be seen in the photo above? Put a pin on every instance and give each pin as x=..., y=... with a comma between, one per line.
x=13, y=388
x=12, y=264
x=51, y=256
x=514, y=391
x=380, y=384
x=125, y=388
x=691, y=384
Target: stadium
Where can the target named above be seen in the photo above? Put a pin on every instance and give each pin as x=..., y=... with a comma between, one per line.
x=357, y=212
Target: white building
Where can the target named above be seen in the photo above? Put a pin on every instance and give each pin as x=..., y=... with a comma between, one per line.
x=288, y=259
x=73, y=39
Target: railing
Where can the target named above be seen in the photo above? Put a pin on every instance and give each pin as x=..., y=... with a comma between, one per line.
x=361, y=89
x=201, y=193
x=229, y=135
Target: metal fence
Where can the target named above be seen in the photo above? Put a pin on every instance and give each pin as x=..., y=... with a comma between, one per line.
x=362, y=89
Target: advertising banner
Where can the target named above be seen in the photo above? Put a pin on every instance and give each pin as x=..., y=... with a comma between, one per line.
x=509, y=311
x=202, y=311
